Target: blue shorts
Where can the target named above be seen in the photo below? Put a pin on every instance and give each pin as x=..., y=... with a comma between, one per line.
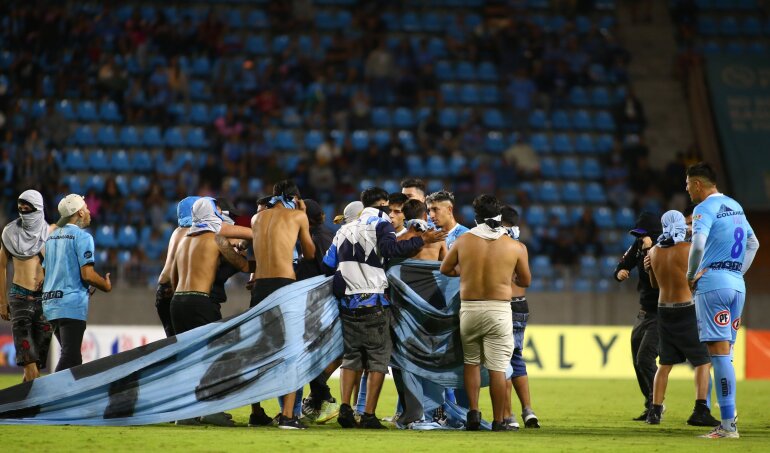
x=719, y=314
x=517, y=361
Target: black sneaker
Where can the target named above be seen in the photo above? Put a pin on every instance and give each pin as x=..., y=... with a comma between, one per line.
x=260, y=419
x=701, y=416
x=370, y=421
x=642, y=417
x=654, y=415
x=530, y=419
x=290, y=423
x=346, y=418
x=502, y=426
x=473, y=421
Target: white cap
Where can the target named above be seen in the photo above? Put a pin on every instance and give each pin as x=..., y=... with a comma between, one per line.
x=71, y=204
x=351, y=213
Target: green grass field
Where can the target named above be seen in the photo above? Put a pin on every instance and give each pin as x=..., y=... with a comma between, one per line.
x=576, y=415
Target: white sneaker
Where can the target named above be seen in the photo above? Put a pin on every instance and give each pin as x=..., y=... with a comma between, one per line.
x=721, y=433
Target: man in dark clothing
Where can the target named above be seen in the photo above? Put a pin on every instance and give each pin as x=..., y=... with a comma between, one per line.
x=644, y=336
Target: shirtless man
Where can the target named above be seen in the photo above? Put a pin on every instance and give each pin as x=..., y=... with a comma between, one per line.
x=275, y=234
x=677, y=325
x=416, y=222
x=520, y=311
x=165, y=290
x=490, y=260
x=23, y=241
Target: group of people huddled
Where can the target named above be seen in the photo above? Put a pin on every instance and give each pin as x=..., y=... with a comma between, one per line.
x=54, y=278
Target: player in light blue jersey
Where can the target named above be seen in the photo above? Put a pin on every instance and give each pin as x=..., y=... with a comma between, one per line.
x=723, y=247
x=441, y=209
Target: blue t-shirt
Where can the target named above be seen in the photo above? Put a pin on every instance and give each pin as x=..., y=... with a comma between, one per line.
x=65, y=294
x=721, y=219
x=455, y=233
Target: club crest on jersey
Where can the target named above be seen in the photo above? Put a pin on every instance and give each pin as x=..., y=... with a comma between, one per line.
x=737, y=324
x=697, y=217
x=722, y=318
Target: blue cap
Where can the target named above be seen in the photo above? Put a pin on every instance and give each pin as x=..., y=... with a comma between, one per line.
x=184, y=211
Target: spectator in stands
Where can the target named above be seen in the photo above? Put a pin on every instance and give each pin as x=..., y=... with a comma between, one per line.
x=112, y=79
x=587, y=235
x=379, y=72
x=177, y=81
x=321, y=177
x=27, y=73
x=54, y=128
x=232, y=154
x=228, y=125
x=629, y=114
x=135, y=102
x=166, y=168
x=210, y=33
x=429, y=131
x=360, y=109
x=407, y=88
x=211, y=175
x=522, y=91
x=337, y=105
x=93, y=200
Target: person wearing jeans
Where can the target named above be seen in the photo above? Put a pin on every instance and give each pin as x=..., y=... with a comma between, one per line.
x=69, y=270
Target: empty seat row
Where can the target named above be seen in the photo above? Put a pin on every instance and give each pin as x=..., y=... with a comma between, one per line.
x=569, y=192
x=570, y=168
x=565, y=144
x=129, y=136
x=581, y=120
x=732, y=26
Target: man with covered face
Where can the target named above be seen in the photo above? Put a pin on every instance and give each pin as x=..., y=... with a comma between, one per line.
x=23, y=242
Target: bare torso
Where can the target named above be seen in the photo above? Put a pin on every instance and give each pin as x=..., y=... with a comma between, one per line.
x=487, y=267
x=28, y=273
x=517, y=291
x=173, y=243
x=195, y=264
x=429, y=252
x=274, y=234
x=669, y=269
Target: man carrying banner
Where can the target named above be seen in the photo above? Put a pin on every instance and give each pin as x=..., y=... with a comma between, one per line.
x=520, y=311
x=360, y=284
x=69, y=270
x=489, y=259
x=23, y=241
x=275, y=232
x=677, y=325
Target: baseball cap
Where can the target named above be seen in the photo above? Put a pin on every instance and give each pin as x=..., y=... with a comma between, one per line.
x=71, y=204
x=351, y=212
x=646, y=224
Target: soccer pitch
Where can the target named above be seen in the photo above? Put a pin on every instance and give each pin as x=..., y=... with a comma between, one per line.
x=576, y=415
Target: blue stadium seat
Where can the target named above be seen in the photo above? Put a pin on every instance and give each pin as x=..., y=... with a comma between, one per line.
x=141, y=162
x=87, y=111
x=624, y=218
x=106, y=136
x=469, y=94
x=199, y=114
x=74, y=160
x=108, y=112
x=290, y=117
x=735, y=48
x=64, y=107
x=562, y=144
x=582, y=24
x=105, y=237
x=560, y=120
x=434, y=185
x=591, y=169
x=568, y=169
x=456, y=164
x=541, y=266
x=607, y=265
x=173, y=138
x=97, y=161
x=448, y=93
x=598, y=73
x=84, y=136
x=432, y=22
x=707, y=26
x=493, y=119
x=448, y=118
x=572, y=193
x=549, y=168
x=604, y=218
x=729, y=26
x=255, y=186
x=494, y=142
x=406, y=138
x=73, y=186
x=582, y=285
x=588, y=266
x=151, y=137
x=535, y=216
x=467, y=213
x=196, y=138
x=6, y=59
x=129, y=137
x=537, y=119
x=600, y=97
x=280, y=43
x=751, y=27
x=140, y=185
x=360, y=140
x=119, y=162
x=444, y=71
x=757, y=48
x=584, y=143
x=257, y=19
x=391, y=186
x=128, y=237
x=437, y=166
x=465, y=71
x=95, y=182
x=595, y=193
x=313, y=140
x=380, y=117
x=381, y=138
x=201, y=67
x=549, y=193
x=199, y=90
x=711, y=48
x=410, y=22
x=414, y=165
x=604, y=143
x=403, y=118
x=578, y=96
x=437, y=47
x=490, y=94
x=560, y=212
x=604, y=121
x=255, y=45
x=581, y=120
x=540, y=143
x=284, y=140
x=487, y=72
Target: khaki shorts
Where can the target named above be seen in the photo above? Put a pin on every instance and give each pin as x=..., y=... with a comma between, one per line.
x=486, y=333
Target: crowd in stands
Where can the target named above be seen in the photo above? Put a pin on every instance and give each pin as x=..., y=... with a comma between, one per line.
x=139, y=105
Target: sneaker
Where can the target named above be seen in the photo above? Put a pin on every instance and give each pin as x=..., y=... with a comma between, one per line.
x=370, y=421
x=654, y=416
x=393, y=419
x=438, y=414
x=290, y=423
x=642, y=417
x=189, y=422
x=218, y=419
x=473, y=421
x=309, y=412
x=502, y=426
x=511, y=421
x=260, y=419
x=721, y=433
x=329, y=410
x=530, y=419
x=701, y=416
x=346, y=418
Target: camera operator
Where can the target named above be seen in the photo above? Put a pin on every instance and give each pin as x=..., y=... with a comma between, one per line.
x=644, y=336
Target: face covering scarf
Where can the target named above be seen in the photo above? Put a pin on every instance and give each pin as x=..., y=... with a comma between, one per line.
x=205, y=217
x=25, y=237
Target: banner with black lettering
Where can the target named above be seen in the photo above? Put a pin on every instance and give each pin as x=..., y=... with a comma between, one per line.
x=270, y=350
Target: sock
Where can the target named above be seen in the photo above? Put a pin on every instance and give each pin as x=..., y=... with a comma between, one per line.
x=701, y=403
x=711, y=387
x=724, y=375
x=361, y=400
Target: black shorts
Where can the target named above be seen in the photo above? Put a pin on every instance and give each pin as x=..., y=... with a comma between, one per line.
x=678, y=336
x=366, y=339
x=163, y=295
x=264, y=287
x=191, y=310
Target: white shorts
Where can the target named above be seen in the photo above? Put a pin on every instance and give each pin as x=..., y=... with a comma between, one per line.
x=486, y=334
